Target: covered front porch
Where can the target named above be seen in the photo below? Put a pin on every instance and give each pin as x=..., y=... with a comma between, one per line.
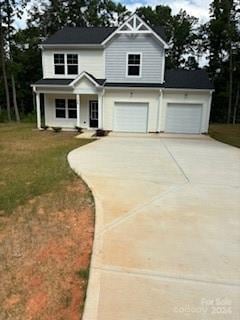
x=69, y=103
x=70, y=110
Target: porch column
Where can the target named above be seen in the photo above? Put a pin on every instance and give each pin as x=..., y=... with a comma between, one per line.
x=38, y=110
x=100, y=117
x=78, y=110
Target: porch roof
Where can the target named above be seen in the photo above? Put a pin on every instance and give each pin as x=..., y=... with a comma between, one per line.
x=66, y=81
x=174, y=79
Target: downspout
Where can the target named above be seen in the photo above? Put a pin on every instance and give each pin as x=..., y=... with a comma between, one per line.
x=159, y=108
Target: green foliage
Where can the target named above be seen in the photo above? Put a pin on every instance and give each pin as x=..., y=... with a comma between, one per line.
x=83, y=273
x=226, y=133
x=32, y=162
x=29, y=118
x=180, y=32
x=3, y=116
x=221, y=37
x=188, y=40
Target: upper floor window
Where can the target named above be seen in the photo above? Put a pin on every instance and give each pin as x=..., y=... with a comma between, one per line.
x=72, y=64
x=59, y=66
x=134, y=64
x=68, y=64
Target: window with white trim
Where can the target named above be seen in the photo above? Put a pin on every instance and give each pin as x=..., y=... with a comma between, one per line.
x=60, y=108
x=134, y=64
x=66, y=108
x=72, y=109
x=59, y=63
x=72, y=63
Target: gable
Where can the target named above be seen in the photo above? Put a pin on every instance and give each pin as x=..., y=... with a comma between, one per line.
x=135, y=25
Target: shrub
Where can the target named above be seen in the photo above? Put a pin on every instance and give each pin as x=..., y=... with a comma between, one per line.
x=30, y=117
x=3, y=116
x=101, y=133
x=57, y=129
x=79, y=129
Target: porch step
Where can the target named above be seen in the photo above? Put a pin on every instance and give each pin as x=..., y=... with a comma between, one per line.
x=88, y=134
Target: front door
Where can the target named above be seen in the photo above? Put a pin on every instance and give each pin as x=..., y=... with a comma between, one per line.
x=93, y=114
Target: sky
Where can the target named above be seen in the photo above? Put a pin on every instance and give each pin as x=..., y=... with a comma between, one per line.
x=197, y=8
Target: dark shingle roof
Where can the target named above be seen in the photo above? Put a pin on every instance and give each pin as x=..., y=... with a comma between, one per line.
x=174, y=79
x=133, y=85
x=88, y=36
x=65, y=82
x=187, y=79
x=52, y=81
x=70, y=35
x=161, y=32
x=99, y=81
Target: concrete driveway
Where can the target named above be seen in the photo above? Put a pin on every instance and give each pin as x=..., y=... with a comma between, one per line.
x=167, y=228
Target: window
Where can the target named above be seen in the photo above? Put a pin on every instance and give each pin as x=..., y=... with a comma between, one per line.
x=72, y=64
x=66, y=108
x=60, y=108
x=134, y=64
x=72, y=109
x=59, y=63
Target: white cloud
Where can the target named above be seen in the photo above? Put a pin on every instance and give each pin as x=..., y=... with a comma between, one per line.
x=197, y=8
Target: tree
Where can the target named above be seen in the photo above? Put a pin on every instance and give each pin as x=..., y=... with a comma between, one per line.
x=3, y=64
x=10, y=5
x=55, y=14
x=222, y=41
x=180, y=32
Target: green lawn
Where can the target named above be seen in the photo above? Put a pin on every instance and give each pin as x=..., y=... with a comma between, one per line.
x=32, y=162
x=226, y=133
x=46, y=225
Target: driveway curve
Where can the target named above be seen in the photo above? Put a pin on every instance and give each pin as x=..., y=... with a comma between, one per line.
x=167, y=227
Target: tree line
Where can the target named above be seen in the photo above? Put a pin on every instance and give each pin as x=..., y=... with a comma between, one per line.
x=217, y=41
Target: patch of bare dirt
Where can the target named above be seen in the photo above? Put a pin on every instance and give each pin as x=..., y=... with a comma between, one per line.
x=43, y=246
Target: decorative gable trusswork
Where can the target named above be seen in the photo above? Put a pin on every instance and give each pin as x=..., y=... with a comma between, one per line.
x=135, y=25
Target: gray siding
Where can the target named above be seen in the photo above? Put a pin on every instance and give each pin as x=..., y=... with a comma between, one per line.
x=152, y=58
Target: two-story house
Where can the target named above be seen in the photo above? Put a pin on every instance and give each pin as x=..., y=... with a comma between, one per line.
x=115, y=79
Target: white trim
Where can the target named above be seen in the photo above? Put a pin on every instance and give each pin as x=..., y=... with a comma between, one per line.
x=132, y=88
x=72, y=46
x=100, y=108
x=209, y=110
x=163, y=66
x=135, y=30
x=66, y=108
x=78, y=109
x=65, y=64
x=38, y=110
x=55, y=92
x=80, y=76
x=187, y=89
x=160, y=110
x=50, y=85
x=140, y=66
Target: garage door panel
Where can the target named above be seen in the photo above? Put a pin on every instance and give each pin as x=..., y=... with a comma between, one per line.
x=183, y=118
x=130, y=117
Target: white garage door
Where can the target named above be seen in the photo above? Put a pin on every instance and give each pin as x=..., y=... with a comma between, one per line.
x=183, y=118
x=130, y=117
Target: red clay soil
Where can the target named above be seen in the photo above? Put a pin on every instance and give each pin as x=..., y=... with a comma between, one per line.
x=45, y=249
